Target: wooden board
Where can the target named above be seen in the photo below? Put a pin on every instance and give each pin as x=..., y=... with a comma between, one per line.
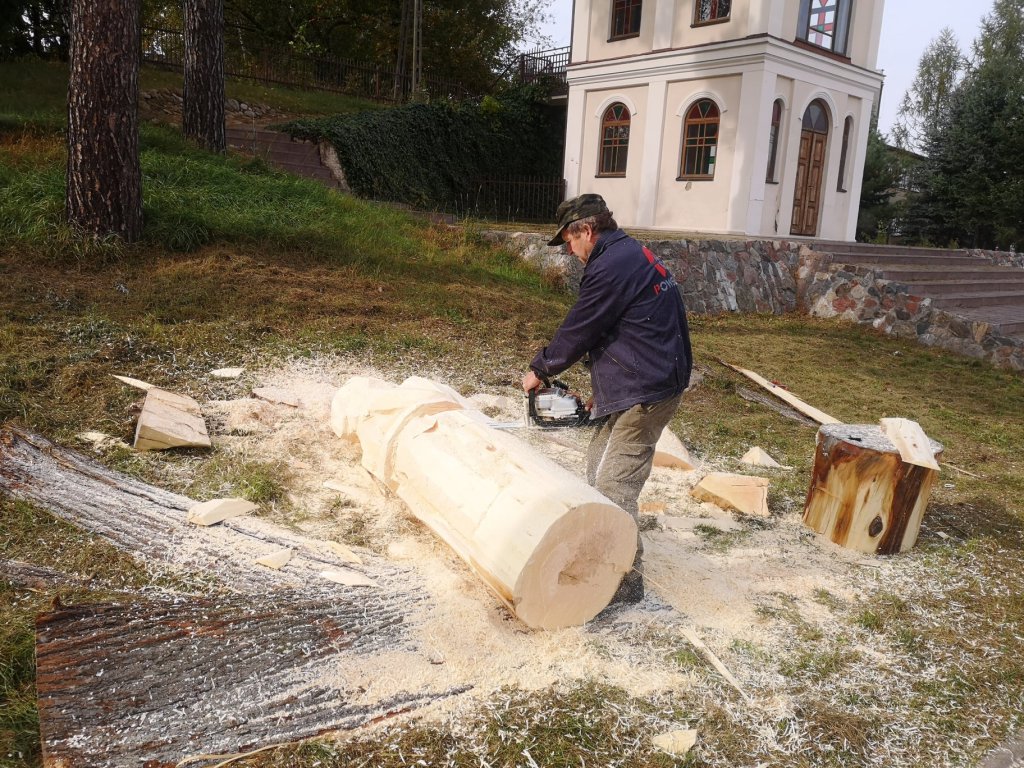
x=863, y=496
x=911, y=441
x=784, y=394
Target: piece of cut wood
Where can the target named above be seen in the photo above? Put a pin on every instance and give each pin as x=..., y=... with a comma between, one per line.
x=911, y=441
x=863, y=496
x=276, y=395
x=742, y=493
x=961, y=471
x=170, y=420
x=757, y=457
x=216, y=510
x=716, y=662
x=344, y=553
x=653, y=508
x=772, y=403
x=347, y=577
x=145, y=386
x=276, y=560
x=676, y=743
x=227, y=373
x=670, y=452
x=550, y=547
x=784, y=394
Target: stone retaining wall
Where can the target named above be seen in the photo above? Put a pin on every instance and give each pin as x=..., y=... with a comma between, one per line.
x=779, y=276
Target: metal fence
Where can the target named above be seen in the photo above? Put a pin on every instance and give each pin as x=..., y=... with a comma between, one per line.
x=545, y=66
x=340, y=75
x=514, y=198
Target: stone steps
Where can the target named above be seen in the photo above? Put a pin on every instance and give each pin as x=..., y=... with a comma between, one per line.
x=968, y=286
x=282, y=151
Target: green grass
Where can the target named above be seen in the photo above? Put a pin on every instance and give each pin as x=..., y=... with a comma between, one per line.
x=241, y=265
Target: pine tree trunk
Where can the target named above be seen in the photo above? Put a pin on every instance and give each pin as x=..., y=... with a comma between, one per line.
x=203, y=108
x=104, y=179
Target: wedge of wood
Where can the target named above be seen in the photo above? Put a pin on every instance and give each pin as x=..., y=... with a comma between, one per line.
x=670, y=452
x=784, y=394
x=276, y=560
x=911, y=441
x=145, y=386
x=758, y=457
x=347, y=577
x=549, y=546
x=170, y=420
x=217, y=510
x=676, y=743
x=742, y=493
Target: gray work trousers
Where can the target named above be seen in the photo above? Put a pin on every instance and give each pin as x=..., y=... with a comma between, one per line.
x=621, y=454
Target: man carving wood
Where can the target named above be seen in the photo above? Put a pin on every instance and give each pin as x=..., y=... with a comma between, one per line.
x=629, y=323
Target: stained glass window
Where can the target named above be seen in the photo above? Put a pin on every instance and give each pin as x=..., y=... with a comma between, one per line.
x=711, y=10
x=700, y=141
x=614, y=140
x=825, y=23
x=626, y=18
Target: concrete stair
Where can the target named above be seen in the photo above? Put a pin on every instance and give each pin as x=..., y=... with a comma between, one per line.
x=280, y=150
x=956, y=282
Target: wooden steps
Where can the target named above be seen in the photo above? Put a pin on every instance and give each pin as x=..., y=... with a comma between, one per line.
x=282, y=151
x=956, y=282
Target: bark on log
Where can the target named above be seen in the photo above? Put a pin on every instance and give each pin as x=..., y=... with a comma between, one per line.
x=248, y=662
x=863, y=496
x=550, y=547
x=202, y=112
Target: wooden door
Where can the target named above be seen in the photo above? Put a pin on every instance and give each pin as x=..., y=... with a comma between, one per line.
x=810, y=170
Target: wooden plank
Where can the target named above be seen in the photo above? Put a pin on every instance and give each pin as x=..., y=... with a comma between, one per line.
x=911, y=441
x=783, y=394
x=780, y=408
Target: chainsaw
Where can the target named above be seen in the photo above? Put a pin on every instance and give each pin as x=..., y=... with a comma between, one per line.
x=553, y=406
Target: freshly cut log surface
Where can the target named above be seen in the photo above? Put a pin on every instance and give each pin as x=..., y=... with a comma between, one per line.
x=550, y=547
x=863, y=496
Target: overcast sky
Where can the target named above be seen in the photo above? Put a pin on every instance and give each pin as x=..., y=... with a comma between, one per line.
x=907, y=28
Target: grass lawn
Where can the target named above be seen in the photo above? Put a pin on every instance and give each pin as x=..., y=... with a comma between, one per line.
x=243, y=265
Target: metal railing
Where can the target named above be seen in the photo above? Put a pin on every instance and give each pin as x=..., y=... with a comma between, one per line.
x=545, y=66
x=514, y=198
x=340, y=75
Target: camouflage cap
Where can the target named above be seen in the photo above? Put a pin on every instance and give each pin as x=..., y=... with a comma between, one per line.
x=575, y=209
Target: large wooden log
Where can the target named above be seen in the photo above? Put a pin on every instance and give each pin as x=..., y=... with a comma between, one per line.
x=550, y=547
x=863, y=496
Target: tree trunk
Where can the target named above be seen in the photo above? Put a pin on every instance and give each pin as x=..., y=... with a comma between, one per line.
x=203, y=101
x=863, y=496
x=104, y=179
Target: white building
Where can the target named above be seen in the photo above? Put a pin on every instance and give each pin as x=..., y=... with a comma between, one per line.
x=746, y=117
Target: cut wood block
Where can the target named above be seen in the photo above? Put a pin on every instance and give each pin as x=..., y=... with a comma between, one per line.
x=276, y=395
x=145, y=386
x=275, y=560
x=653, y=508
x=227, y=373
x=743, y=493
x=216, y=510
x=863, y=495
x=348, y=578
x=344, y=553
x=757, y=457
x=911, y=441
x=550, y=547
x=670, y=452
x=784, y=394
x=170, y=420
x=676, y=743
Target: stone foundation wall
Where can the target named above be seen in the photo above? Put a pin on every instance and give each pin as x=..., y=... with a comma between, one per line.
x=779, y=276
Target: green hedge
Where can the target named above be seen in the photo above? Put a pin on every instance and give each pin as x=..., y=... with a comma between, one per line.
x=430, y=155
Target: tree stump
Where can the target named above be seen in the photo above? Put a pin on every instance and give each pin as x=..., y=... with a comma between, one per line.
x=863, y=496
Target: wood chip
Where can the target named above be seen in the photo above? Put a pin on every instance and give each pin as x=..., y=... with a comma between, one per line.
x=344, y=552
x=348, y=578
x=275, y=395
x=743, y=493
x=170, y=420
x=227, y=373
x=145, y=386
x=276, y=560
x=676, y=743
x=216, y=510
x=911, y=441
x=654, y=508
x=758, y=457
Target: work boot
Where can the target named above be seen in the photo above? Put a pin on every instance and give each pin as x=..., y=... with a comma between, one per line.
x=631, y=589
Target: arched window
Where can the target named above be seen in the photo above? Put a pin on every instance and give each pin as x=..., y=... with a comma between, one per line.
x=773, y=140
x=825, y=23
x=625, y=18
x=700, y=141
x=844, y=153
x=614, y=140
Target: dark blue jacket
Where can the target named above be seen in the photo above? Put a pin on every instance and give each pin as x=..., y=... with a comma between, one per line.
x=630, y=320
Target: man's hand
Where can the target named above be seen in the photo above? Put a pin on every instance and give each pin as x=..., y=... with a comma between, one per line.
x=531, y=382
